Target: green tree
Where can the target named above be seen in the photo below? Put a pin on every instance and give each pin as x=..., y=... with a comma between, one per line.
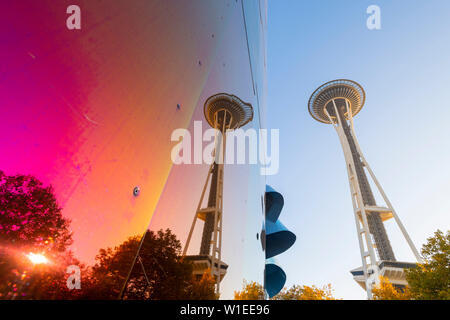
x=431, y=279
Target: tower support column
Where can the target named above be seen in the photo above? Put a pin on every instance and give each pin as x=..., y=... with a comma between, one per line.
x=366, y=244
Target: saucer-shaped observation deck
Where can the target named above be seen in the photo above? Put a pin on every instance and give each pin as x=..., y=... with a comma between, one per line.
x=239, y=112
x=340, y=91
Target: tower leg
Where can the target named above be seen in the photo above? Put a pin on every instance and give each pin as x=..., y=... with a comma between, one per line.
x=198, y=209
x=368, y=257
x=383, y=194
x=368, y=216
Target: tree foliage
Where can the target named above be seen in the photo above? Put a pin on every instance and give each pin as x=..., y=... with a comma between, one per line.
x=250, y=291
x=255, y=291
x=31, y=222
x=202, y=289
x=386, y=291
x=297, y=292
x=159, y=272
x=431, y=279
x=30, y=215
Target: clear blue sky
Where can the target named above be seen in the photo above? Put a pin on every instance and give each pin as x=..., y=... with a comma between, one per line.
x=403, y=128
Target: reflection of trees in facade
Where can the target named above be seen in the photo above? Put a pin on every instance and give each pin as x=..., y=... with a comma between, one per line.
x=160, y=272
x=31, y=221
x=30, y=215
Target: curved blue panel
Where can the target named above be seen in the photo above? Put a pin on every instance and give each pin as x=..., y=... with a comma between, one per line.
x=278, y=238
x=275, y=278
x=274, y=204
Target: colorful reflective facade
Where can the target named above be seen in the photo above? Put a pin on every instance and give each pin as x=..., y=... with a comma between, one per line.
x=90, y=113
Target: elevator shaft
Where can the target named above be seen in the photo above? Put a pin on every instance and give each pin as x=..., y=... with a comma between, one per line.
x=376, y=226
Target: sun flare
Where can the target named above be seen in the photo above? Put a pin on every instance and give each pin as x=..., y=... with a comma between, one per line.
x=37, y=258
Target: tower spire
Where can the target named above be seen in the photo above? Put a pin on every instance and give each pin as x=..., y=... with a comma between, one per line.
x=337, y=102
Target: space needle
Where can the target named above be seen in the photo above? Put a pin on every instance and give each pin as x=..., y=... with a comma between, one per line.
x=338, y=102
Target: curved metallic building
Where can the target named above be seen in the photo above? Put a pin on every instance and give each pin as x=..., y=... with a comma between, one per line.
x=91, y=112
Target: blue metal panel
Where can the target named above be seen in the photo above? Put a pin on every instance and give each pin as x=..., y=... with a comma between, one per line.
x=275, y=278
x=278, y=240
